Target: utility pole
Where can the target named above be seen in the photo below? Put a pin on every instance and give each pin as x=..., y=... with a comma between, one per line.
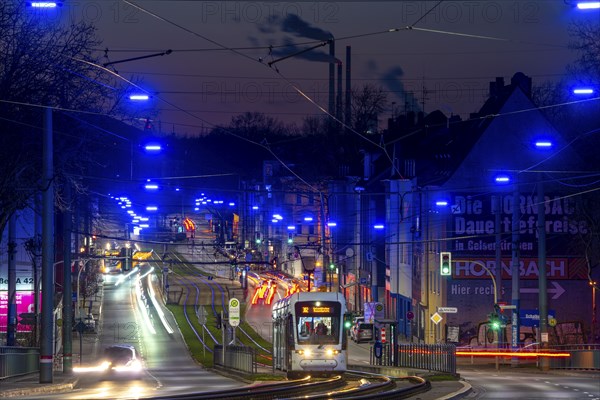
x=47, y=328
x=497, y=207
x=543, y=293
x=515, y=270
x=324, y=250
x=67, y=328
x=11, y=326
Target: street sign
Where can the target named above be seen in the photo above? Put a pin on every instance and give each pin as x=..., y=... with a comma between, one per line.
x=507, y=306
x=447, y=310
x=373, y=311
x=234, y=312
x=532, y=317
x=363, y=281
x=436, y=318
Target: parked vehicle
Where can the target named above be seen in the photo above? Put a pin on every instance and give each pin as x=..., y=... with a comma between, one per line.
x=361, y=332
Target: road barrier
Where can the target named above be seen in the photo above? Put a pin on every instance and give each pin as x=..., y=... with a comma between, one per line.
x=432, y=357
x=18, y=361
x=241, y=358
x=583, y=356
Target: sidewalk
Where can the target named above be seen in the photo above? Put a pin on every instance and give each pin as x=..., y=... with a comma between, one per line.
x=28, y=385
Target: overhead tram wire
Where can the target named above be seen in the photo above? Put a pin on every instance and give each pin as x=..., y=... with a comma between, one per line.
x=295, y=87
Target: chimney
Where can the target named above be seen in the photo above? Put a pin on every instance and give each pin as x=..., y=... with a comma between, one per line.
x=347, y=112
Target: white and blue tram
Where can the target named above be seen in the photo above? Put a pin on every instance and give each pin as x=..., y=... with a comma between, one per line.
x=308, y=334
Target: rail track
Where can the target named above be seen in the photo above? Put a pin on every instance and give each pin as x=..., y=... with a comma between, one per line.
x=351, y=385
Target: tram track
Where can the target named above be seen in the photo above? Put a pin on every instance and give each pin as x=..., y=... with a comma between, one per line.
x=351, y=385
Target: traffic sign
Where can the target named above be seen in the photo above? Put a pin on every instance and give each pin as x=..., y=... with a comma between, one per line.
x=436, y=318
x=532, y=317
x=447, y=310
x=234, y=312
x=410, y=315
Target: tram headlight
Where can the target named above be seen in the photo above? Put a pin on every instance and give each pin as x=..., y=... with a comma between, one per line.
x=306, y=353
x=332, y=352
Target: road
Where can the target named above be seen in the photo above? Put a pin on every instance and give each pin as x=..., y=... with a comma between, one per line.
x=169, y=369
x=523, y=384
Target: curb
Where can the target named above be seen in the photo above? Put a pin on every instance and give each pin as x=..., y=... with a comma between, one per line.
x=466, y=389
x=51, y=388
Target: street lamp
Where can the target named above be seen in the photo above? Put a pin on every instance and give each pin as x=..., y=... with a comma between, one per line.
x=588, y=5
x=594, y=286
x=515, y=263
x=543, y=291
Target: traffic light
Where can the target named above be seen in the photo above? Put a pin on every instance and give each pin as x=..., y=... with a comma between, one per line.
x=290, y=238
x=494, y=321
x=218, y=321
x=347, y=321
x=331, y=266
x=445, y=263
x=257, y=238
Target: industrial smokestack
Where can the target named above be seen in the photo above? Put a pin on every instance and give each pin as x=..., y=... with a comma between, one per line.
x=347, y=113
x=338, y=109
x=331, y=107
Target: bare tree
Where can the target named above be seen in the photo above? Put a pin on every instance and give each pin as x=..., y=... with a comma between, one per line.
x=368, y=101
x=44, y=64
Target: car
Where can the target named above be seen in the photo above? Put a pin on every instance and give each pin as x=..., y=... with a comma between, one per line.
x=362, y=331
x=89, y=322
x=121, y=360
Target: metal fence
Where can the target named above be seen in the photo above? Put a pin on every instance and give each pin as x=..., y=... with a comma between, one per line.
x=582, y=356
x=241, y=358
x=18, y=360
x=431, y=357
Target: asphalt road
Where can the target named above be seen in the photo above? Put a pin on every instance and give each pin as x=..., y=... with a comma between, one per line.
x=534, y=384
x=169, y=369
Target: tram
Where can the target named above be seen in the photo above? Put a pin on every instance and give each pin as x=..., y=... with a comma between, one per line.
x=308, y=334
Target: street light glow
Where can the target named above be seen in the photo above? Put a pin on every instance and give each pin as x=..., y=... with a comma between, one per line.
x=583, y=91
x=153, y=147
x=138, y=97
x=378, y=226
x=543, y=144
x=44, y=4
x=502, y=179
x=441, y=203
x=588, y=5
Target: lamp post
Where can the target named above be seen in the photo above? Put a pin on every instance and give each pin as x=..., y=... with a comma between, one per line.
x=515, y=264
x=542, y=284
x=594, y=286
x=80, y=328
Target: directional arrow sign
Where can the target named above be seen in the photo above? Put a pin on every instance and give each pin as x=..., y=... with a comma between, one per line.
x=557, y=290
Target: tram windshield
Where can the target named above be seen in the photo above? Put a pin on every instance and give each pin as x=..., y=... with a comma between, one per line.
x=318, y=322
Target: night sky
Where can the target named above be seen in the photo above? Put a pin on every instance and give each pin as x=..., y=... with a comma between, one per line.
x=219, y=66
